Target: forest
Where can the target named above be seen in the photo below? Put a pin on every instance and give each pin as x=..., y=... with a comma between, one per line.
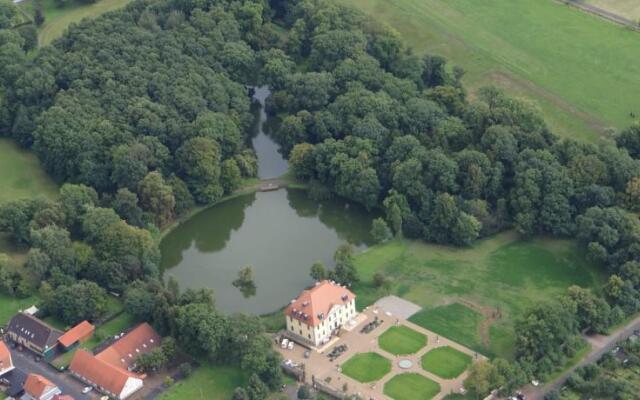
x=143, y=114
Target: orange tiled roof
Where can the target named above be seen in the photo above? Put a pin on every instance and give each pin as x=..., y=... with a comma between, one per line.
x=314, y=304
x=99, y=372
x=78, y=332
x=36, y=385
x=125, y=351
x=5, y=357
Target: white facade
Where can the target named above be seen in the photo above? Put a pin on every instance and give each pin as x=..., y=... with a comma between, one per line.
x=132, y=386
x=338, y=315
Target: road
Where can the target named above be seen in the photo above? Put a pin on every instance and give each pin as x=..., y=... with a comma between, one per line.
x=600, y=345
x=25, y=360
x=618, y=19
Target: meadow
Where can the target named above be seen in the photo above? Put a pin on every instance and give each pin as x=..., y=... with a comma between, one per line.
x=57, y=19
x=471, y=295
x=553, y=54
x=21, y=175
x=207, y=382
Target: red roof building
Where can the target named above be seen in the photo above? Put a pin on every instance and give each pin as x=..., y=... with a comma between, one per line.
x=37, y=387
x=111, y=369
x=6, y=363
x=76, y=335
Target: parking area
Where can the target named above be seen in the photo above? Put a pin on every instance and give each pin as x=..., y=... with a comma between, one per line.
x=25, y=360
x=328, y=370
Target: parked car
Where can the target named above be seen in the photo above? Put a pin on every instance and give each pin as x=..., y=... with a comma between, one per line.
x=87, y=389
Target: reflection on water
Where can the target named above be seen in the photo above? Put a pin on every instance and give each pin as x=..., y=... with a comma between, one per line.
x=271, y=164
x=279, y=233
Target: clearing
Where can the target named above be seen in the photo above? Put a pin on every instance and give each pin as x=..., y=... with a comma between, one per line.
x=57, y=19
x=563, y=60
x=10, y=305
x=366, y=367
x=446, y=362
x=207, y=382
x=411, y=386
x=472, y=294
x=401, y=340
x=21, y=175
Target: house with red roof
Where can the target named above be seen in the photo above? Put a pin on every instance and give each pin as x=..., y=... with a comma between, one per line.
x=37, y=387
x=76, y=335
x=111, y=370
x=6, y=363
x=319, y=312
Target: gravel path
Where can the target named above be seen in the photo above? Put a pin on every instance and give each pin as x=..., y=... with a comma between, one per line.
x=602, y=13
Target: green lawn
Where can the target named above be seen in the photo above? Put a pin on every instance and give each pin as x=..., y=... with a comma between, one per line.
x=63, y=361
x=446, y=362
x=10, y=305
x=21, y=175
x=116, y=325
x=565, y=60
x=366, y=367
x=453, y=321
x=401, y=340
x=503, y=274
x=57, y=19
x=207, y=382
x=411, y=386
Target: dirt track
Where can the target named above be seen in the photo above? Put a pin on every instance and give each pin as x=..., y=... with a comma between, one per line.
x=618, y=19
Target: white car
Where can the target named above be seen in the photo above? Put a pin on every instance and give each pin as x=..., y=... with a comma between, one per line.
x=87, y=389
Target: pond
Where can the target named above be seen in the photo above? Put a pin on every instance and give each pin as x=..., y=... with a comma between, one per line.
x=280, y=234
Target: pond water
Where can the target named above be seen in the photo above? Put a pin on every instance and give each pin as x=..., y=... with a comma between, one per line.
x=280, y=234
x=271, y=164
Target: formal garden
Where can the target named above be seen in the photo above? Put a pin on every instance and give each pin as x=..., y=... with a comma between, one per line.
x=401, y=340
x=411, y=386
x=446, y=362
x=366, y=367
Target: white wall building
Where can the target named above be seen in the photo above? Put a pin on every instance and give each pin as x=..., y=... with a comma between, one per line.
x=318, y=312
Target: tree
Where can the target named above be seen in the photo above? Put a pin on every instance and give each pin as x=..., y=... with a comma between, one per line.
x=318, y=271
x=240, y=394
x=15, y=218
x=304, y=392
x=199, y=162
x=245, y=282
x=230, y=175
x=256, y=389
x=157, y=197
x=301, y=160
x=38, y=15
x=345, y=271
x=200, y=329
x=80, y=301
x=481, y=378
x=75, y=200
x=96, y=220
x=380, y=231
x=125, y=204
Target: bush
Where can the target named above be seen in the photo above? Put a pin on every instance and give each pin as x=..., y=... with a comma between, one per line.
x=185, y=370
x=304, y=392
x=168, y=381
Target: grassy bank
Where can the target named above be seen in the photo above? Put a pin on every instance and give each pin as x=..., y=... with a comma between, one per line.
x=564, y=60
x=472, y=295
x=21, y=175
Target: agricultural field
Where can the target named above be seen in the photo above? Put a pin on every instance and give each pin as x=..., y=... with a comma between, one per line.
x=471, y=295
x=21, y=175
x=564, y=60
x=629, y=9
x=57, y=19
x=207, y=382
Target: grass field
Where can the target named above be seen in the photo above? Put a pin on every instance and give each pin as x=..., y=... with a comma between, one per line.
x=411, y=386
x=207, y=382
x=499, y=277
x=21, y=175
x=57, y=19
x=629, y=9
x=455, y=321
x=401, y=340
x=564, y=60
x=116, y=325
x=366, y=367
x=446, y=362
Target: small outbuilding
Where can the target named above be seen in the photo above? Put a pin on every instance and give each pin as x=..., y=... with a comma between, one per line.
x=76, y=335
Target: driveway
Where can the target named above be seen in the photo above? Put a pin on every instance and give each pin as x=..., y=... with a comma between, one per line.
x=599, y=346
x=25, y=360
x=398, y=306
